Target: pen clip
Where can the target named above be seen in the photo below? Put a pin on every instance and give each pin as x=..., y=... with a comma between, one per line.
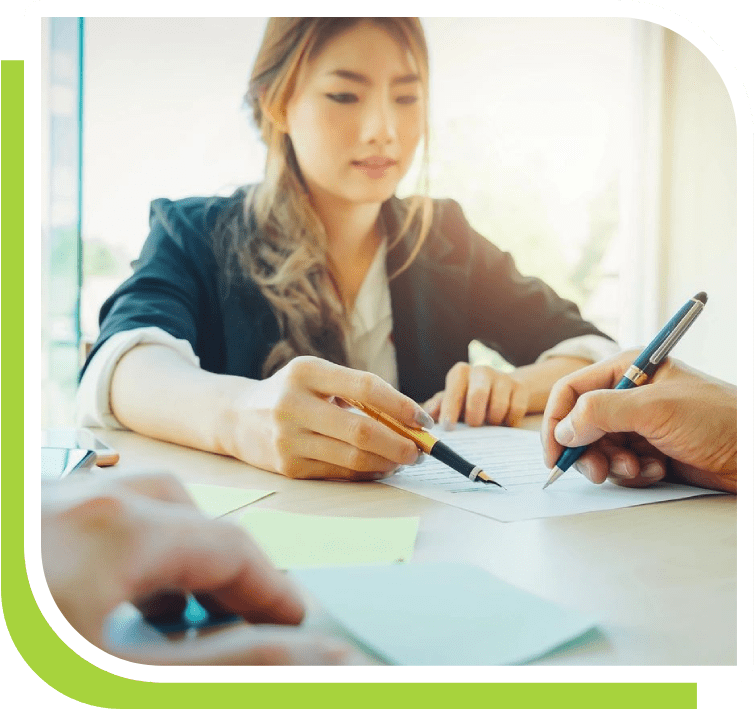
x=676, y=333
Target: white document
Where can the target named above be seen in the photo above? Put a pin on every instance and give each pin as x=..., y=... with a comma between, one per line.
x=513, y=457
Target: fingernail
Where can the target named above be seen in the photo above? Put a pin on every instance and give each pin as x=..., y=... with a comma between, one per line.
x=619, y=468
x=652, y=471
x=564, y=433
x=585, y=469
x=424, y=419
x=420, y=458
x=447, y=424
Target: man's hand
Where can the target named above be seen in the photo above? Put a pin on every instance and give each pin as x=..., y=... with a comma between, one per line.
x=681, y=426
x=139, y=538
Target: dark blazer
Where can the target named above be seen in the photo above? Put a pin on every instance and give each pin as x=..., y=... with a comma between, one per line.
x=460, y=287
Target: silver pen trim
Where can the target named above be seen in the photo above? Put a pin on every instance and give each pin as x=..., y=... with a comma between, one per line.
x=670, y=341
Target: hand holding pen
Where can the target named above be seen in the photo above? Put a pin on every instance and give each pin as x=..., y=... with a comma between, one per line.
x=682, y=424
x=427, y=443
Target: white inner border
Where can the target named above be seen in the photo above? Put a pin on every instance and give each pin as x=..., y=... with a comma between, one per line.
x=32, y=344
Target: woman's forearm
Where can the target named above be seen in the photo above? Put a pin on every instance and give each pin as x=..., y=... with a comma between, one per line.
x=539, y=378
x=155, y=392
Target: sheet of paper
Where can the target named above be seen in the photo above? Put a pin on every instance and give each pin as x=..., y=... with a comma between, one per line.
x=218, y=500
x=297, y=541
x=513, y=457
x=442, y=614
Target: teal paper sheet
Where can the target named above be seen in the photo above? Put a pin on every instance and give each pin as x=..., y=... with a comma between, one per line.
x=441, y=614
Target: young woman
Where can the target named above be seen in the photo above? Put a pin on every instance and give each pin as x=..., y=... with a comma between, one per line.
x=248, y=318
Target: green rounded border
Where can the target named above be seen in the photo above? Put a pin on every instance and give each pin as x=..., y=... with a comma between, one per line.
x=61, y=668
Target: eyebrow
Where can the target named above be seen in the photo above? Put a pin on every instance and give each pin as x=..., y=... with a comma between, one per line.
x=362, y=79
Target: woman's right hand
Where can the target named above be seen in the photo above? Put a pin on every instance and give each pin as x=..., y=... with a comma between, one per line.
x=292, y=424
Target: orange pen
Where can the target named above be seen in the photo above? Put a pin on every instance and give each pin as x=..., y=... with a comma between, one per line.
x=427, y=443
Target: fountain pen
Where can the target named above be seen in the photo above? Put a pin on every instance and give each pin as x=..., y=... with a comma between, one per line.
x=427, y=443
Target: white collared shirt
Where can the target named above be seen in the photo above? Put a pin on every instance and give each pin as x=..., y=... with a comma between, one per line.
x=369, y=342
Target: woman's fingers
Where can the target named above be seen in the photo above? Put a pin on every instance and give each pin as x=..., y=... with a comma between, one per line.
x=432, y=406
x=306, y=469
x=360, y=433
x=456, y=385
x=327, y=379
x=481, y=394
x=321, y=457
x=479, y=389
x=518, y=404
x=322, y=440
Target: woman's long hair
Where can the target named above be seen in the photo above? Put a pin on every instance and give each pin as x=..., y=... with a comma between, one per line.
x=286, y=253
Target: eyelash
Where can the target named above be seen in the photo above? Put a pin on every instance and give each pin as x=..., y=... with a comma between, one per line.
x=353, y=98
x=343, y=98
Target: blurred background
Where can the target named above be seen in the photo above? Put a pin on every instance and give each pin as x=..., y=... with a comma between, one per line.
x=600, y=152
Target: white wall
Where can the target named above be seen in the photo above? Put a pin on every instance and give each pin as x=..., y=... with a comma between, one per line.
x=698, y=206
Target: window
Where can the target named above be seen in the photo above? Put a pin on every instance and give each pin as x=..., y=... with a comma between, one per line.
x=61, y=245
x=531, y=131
x=528, y=134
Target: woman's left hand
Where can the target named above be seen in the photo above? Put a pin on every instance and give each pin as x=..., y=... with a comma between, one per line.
x=478, y=394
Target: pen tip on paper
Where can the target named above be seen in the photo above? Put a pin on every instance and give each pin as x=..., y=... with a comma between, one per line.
x=487, y=479
x=555, y=473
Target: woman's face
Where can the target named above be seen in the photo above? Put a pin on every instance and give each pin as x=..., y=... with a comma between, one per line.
x=356, y=116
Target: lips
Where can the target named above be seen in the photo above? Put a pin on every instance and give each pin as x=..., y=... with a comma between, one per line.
x=376, y=162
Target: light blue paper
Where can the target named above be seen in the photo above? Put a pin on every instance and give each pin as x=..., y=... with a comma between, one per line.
x=441, y=614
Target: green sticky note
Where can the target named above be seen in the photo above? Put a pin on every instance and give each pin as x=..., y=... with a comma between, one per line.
x=218, y=500
x=297, y=541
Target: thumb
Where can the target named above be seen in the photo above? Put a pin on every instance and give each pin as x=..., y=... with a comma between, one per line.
x=597, y=413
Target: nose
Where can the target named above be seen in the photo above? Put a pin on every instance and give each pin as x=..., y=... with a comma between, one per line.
x=380, y=121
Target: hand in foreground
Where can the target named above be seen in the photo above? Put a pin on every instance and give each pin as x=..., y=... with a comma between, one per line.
x=478, y=394
x=292, y=424
x=681, y=426
x=134, y=538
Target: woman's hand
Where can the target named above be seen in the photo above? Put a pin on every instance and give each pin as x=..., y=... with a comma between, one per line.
x=292, y=424
x=137, y=538
x=682, y=425
x=479, y=395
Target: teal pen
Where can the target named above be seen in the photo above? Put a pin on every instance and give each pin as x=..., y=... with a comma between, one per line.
x=644, y=366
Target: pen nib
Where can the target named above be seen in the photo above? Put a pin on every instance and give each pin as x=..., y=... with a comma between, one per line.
x=554, y=475
x=488, y=480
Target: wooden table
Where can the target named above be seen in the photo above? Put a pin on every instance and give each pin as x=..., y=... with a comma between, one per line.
x=660, y=578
